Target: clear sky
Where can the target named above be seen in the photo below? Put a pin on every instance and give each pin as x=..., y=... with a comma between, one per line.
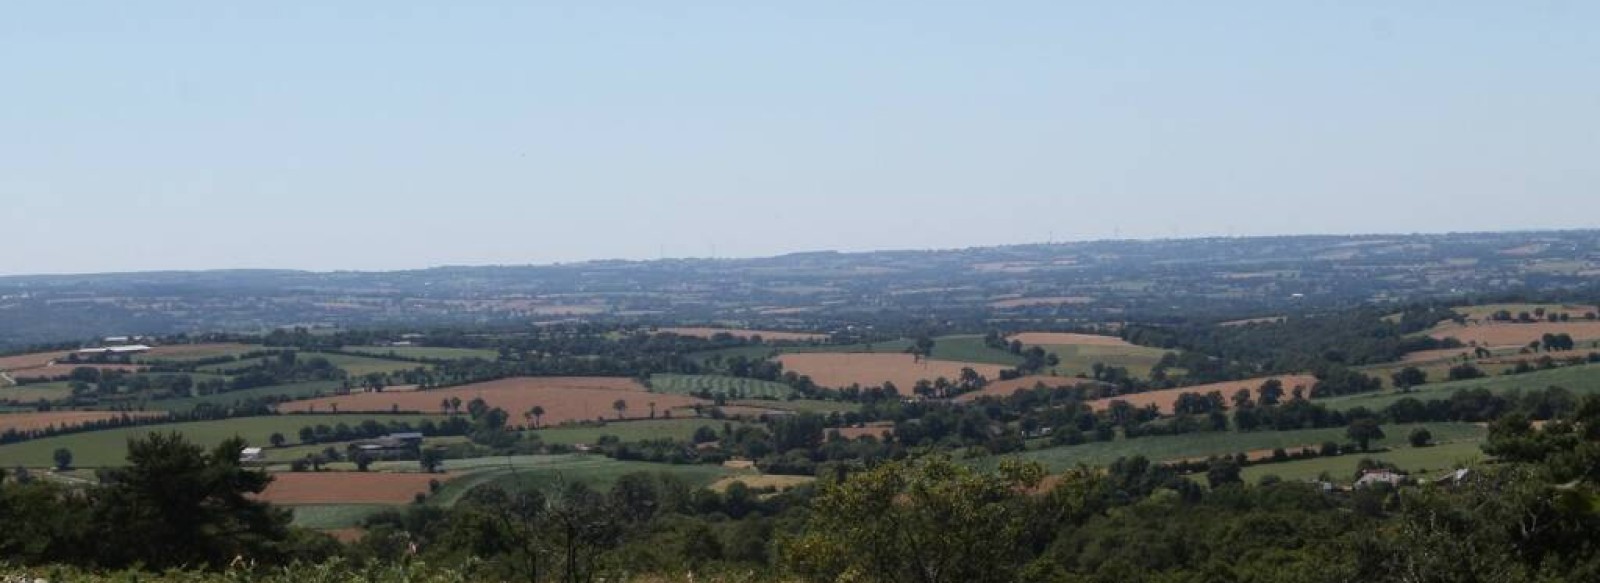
x=395, y=134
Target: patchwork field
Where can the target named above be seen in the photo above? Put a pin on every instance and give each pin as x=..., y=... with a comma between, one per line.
x=348, y=487
x=293, y=391
x=747, y=334
x=719, y=385
x=563, y=398
x=64, y=419
x=867, y=369
x=1165, y=398
x=109, y=447
x=1513, y=334
x=1427, y=462
x=548, y=471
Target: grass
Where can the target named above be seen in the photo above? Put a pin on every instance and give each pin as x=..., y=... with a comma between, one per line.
x=549, y=471
x=109, y=447
x=1582, y=379
x=1431, y=460
x=332, y=516
x=751, y=352
x=739, y=387
x=193, y=353
x=1199, y=445
x=1080, y=358
x=432, y=352
x=30, y=394
x=295, y=390
x=289, y=453
x=627, y=430
x=359, y=366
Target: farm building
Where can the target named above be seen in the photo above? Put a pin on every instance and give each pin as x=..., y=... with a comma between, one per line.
x=1374, y=477
x=395, y=446
x=113, y=350
x=251, y=455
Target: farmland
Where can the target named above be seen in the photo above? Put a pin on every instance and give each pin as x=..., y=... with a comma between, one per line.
x=359, y=366
x=1584, y=379
x=1430, y=461
x=108, y=447
x=30, y=394
x=563, y=398
x=843, y=370
x=1197, y=445
x=1513, y=333
x=735, y=387
x=348, y=487
x=293, y=391
x=627, y=431
x=62, y=419
x=1164, y=399
x=1078, y=353
x=189, y=352
x=546, y=471
x=1002, y=389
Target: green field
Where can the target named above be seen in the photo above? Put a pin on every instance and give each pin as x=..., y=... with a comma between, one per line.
x=194, y=353
x=548, y=471
x=1198, y=445
x=627, y=430
x=295, y=390
x=1431, y=461
x=331, y=516
x=108, y=447
x=359, y=366
x=433, y=352
x=30, y=394
x=723, y=385
x=1080, y=358
x=751, y=352
x=1584, y=379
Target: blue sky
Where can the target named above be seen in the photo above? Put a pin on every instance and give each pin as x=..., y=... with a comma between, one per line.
x=396, y=134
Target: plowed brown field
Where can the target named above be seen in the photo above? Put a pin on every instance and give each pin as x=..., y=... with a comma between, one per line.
x=348, y=487
x=1511, y=334
x=26, y=361
x=563, y=398
x=832, y=369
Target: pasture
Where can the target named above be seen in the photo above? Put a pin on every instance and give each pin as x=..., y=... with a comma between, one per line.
x=1431, y=461
x=736, y=387
x=804, y=406
x=1165, y=398
x=681, y=429
x=866, y=369
x=1078, y=353
x=549, y=471
x=563, y=399
x=1582, y=379
x=360, y=366
x=188, y=352
x=1199, y=445
x=109, y=447
x=334, y=516
x=293, y=391
x=426, y=352
x=30, y=394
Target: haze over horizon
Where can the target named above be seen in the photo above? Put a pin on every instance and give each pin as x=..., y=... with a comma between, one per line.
x=396, y=135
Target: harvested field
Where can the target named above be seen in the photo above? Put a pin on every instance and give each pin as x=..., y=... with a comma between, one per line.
x=747, y=334
x=348, y=487
x=563, y=398
x=1165, y=398
x=1254, y=455
x=1006, y=388
x=830, y=369
x=762, y=481
x=1513, y=334
x=1485, y=311
x=1440, y=354
x=63, y=419
x=27, y=361
x=1054, y=338
x=1047, y=301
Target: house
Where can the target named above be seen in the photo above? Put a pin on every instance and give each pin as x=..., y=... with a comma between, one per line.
x=1373, y=477
x=395, y=446
x=251, y=455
